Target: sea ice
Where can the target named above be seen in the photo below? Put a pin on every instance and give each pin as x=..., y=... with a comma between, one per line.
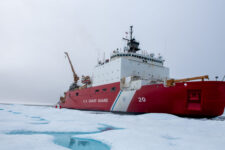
x=43, y=128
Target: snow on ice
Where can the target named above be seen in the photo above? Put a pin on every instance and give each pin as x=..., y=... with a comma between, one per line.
x=44, y=128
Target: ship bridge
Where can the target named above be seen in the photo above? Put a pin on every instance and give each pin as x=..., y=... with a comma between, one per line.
x=146, y=58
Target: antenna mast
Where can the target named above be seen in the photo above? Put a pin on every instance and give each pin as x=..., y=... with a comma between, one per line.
x=131, y=32
x=132, y=44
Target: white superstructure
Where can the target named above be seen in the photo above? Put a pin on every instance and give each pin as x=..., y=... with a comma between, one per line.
x=130, y=64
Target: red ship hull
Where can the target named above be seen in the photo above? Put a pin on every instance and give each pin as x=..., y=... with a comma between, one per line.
x=195, y=99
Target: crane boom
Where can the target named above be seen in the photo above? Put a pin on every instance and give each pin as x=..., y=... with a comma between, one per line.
x=75, y=77
x=172, y=81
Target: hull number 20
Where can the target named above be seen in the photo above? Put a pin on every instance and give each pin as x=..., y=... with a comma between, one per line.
x=141, y=99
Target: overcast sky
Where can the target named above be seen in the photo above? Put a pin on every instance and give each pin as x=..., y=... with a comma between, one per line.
x=189, y=34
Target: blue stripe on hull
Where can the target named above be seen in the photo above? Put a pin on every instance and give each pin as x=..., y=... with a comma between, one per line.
x=116, y=101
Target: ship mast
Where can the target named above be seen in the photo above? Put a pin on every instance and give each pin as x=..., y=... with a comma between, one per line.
x=132, y=44
x=131, y=32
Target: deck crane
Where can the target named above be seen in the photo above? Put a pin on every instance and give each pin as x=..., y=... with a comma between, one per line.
x=75, y=79
x=75, y=76
x=171, y=82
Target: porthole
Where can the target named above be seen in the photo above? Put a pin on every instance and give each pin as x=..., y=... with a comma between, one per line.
x=113, y=89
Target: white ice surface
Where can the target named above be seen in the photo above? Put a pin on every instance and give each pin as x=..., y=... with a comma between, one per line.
x=140, y=132
x=28, y=142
